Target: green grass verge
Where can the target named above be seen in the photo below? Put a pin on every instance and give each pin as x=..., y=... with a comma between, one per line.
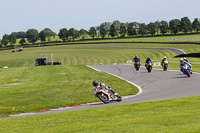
x=30, y=88
x=39, y=88
x=175, y=39
x=179, y=38
x=174, y=115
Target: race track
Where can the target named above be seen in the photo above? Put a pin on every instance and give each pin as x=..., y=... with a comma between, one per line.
x=157, y=85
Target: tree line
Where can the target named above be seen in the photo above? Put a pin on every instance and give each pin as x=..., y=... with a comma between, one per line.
x=106, y=29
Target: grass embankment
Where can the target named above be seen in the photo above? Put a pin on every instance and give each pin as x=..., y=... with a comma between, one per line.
x=174, y=115
x=39, y=88
x=30, y=88
x=166, y=39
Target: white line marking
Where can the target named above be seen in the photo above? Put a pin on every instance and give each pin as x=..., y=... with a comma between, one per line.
x=93, y=68
x=182, y=51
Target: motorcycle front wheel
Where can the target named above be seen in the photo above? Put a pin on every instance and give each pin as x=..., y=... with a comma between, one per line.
x=119, y=98
x=149, y=70
x=137, y=68
x=103, y=97
x=188, y=74
x=165, y=68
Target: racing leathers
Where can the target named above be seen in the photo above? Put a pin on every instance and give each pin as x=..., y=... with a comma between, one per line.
x=147, y=61
x=136, y=59
x=101, y=85
x=162, y=63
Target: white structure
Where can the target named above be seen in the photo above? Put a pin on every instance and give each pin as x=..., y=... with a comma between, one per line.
x=49, y=58
x=129, y=61
x=156, y=64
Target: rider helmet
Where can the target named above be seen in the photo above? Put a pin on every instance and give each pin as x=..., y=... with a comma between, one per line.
x=95, y=83
x=181, y=59
x=165, y=57
x=184, y=58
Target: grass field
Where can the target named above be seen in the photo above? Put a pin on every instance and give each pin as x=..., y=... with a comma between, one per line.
x=183, y=38
x=175, y=115
x=30, y=88
x=39, y=88
x=167, y=39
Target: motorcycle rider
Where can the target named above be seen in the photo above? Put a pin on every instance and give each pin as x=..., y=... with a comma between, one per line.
x=136, y=59
x=165, y=59
x=188, y=62
x=101, y=85
x=147, y=61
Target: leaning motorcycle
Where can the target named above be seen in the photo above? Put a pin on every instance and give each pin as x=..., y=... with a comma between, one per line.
x=165, y=65
x=106, y=95
x=137, y=65
x=149, y=66
x=186, y=70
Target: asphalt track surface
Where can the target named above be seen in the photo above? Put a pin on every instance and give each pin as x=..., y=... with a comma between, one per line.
x=173, y=50
x=157, y=85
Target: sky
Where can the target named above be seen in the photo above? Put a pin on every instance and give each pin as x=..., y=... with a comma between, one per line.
x=21, y=15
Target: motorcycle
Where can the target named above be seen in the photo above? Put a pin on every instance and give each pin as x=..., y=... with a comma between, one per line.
x=149, y=66
x=106, y=94
x=186, y=70
x=165, y=65
x=137, y=65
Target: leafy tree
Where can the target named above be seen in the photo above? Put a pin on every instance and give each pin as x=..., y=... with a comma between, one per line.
x=151, y=28
x=107, y=27
x=157, y=25
x=131, y=29
x=117, y=24
x=98, y=30
x=92, y=32
x=142, y=29
x=186, y=24
x=122, y=29
x=19, y=35
x=5, y=40
x=22, y=41
x=103, y=30
x=196, y=25
x=113, y=31
x=63, y=34
x=42, y=36
x=135, y=25
x=164, y=26
x=49, y=33
x=83, y=33
x=174, y=25
x=12, y=39
x=73, y=33
x=32, y=35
